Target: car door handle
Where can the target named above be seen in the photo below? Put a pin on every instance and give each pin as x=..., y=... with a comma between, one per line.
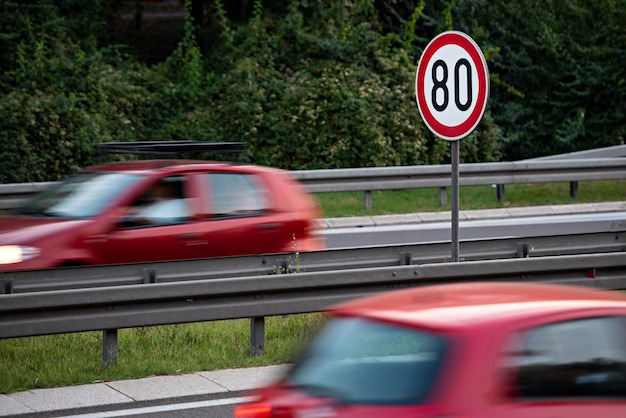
x=271, y=225
x=189, y=235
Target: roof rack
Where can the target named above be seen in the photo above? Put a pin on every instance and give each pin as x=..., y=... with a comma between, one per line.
x=169, y=147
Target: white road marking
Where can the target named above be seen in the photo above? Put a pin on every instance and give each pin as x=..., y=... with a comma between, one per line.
x=164, y=408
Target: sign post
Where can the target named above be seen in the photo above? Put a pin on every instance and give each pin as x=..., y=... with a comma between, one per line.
x=451, y=89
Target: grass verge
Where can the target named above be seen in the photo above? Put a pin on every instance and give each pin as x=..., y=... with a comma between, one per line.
x=71, y=359
x=470, y=198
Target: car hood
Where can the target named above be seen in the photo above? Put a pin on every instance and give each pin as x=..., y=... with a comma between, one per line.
x=27, y=230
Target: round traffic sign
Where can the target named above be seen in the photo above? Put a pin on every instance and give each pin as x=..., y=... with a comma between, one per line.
x=452, y=85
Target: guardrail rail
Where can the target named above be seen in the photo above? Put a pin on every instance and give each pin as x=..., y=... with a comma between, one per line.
x=108, y=298
x=414, y=177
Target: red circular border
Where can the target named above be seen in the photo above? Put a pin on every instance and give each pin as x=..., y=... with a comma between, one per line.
x=453, y=133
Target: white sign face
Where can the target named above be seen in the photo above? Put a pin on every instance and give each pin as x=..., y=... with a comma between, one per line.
x=452, y=85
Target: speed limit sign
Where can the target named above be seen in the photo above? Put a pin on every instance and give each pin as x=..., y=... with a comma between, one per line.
x=452, y=85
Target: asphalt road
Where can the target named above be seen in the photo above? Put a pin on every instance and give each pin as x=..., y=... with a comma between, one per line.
x=474, y=225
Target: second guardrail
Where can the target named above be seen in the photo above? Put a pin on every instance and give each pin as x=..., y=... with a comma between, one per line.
x=108, y=309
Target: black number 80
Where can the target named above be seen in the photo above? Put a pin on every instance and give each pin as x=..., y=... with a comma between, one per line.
x=443, y=85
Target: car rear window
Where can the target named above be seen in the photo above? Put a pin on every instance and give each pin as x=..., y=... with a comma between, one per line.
x=236, y=194
x=365, y=362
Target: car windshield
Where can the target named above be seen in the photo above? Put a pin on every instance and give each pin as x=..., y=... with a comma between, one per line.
x=82, y=195
x=365, y=362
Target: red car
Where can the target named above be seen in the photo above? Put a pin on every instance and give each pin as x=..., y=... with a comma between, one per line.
x=483, y=350
x=160, y=210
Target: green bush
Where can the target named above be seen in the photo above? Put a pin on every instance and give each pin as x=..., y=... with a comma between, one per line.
x=331, y=93
x=63, y=102
x=560, y=73
x=305, y=84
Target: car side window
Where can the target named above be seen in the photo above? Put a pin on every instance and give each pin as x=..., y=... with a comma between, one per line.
x=236, y=194
x=163, y=203
x=580, y=358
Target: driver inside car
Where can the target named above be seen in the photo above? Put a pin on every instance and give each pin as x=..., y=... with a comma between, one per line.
x=162, y=204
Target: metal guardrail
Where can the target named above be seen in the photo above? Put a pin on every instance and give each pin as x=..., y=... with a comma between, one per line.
x=12, y=195
x=118, y=296
x=412, y=177
x=478, y=174
x=111, y=308
x=333, y=260
x=385, y=178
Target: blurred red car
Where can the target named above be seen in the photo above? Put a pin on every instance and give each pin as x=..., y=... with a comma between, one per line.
x=481, y=350
x=115, y=213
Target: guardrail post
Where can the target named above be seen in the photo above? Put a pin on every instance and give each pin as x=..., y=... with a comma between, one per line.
x=7, y=286
x=149, y=275
x=573, y=189
x=443, y=196
x=367, y=199
x=523, y=249
x=500, y=192
x=257, y=335
x=109, y=347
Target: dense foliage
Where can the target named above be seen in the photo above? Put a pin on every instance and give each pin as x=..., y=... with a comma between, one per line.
x=305, y=84
x=563, y=64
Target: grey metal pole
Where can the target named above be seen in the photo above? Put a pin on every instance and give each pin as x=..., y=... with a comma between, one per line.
x=109, y=347
x=257, y=335
x=454, y=146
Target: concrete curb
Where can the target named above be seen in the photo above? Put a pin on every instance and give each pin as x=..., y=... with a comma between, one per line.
x=126, y=392
x=446, y=216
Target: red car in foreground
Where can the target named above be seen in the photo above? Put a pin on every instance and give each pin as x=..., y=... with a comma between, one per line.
x=474, y=350
x=159, y=210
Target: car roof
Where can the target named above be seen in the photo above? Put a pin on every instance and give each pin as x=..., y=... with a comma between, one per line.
x=450, y=306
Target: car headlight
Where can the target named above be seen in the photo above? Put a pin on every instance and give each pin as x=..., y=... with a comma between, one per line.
x=10, y=254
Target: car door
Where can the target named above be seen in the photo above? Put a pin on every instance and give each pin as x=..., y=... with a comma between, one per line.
x=569, y=369
x=160, y=225
x=239, y=218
